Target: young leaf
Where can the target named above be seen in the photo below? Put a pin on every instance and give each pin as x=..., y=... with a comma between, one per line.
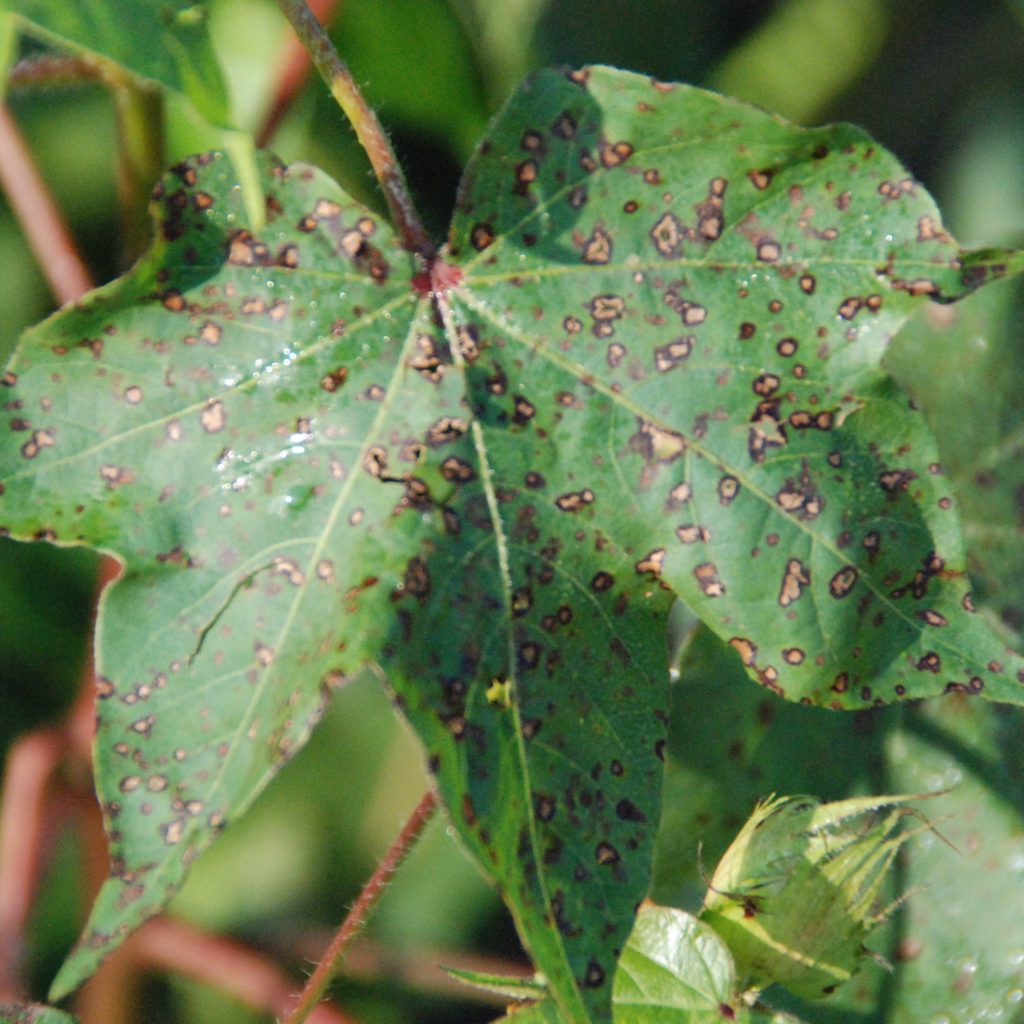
x=165, y=41
x=232, y=420
x=946, y=957
x=34, y=1014
x=674, y=970
x=691, y=298
x=501, y=984
x=794, y=896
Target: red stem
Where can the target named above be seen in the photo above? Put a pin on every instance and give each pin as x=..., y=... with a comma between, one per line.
x=26, y=817
x=251, y=978
x=30, y=765
x=295, y=65
x=39, y=217
x=357, y=916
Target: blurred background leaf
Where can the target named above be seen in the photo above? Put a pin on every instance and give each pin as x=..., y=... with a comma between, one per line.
x=939, y=82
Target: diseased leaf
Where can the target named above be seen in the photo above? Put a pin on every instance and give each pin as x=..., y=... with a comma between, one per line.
x=702, y=292
x=233, y=419
x=651, y=367
x=540, y=690
x=33, y=1014
x=963, y=366
x=165, y=41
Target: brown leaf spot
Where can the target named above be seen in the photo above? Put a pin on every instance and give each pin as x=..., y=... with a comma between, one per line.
x=457, y=471
x=796, y=577
x=668, y=235
x=446, y=430
x=289, y=569
x=335, y=379
x=573, y=501
x=655, y=444
x=417, y=579
x=326, y=209
x=728, y=488
x=653, y=562
x=614, y=153
x=173, y=301
x=747, y=650
x=481, y=236
x=545, y=806
x=605, y=853
x=843, y=582
x=849, y=308
x=896, y=480
x=667, y=357
x=212, y=417
x=598, y=248
x=116, y=476
x=708, y=580
x=691, y=533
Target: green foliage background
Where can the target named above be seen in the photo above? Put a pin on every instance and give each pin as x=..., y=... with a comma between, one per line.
x=941, y=84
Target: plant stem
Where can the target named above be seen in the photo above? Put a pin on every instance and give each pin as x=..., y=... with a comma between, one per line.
x=49, y=70
x=30, y=766
x=225, y=965
x=39, y=217
x=28, y=814
x=367, y=128
x=295, y=64
x=350, y=927
x=140, y=157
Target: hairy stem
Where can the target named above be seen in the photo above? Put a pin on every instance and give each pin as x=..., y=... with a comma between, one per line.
x=38, y=216
x=368, y=129
x=350, y=927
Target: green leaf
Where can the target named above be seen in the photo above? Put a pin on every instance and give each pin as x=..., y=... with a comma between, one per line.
x=165, y=41
x=500, y=984
x=964, y=364
x=232, y=420
x=675, y=969
x=33, y=1014
x=693, y=296
x=947, y=957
